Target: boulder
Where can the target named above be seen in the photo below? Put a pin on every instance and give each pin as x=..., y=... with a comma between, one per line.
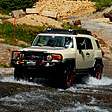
x=32, y=11
x=64, y=8
x=2, y=40
x=22, y=43
x=77, y=23
x=49, y=14
x=107, y=12
x=5, y=16
x=18, y=13
x=1, y=21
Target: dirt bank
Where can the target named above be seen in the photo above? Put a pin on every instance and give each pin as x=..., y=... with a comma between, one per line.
x=5, y=54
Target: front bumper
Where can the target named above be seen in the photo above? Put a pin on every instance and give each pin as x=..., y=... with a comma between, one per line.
x=39, y=68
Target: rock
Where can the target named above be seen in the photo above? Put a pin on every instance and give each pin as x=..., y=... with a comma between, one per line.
x=18, y=13
x=107, y=12
x=32, y=11
x=5, y=54
x=110, y=17
x=6, y=71
x=77, y=22
x=49, y=14
x=37, y=20
x=22, y=43
x=5, y=16
x=65, y=8
x=1, y=21
x=2, y=40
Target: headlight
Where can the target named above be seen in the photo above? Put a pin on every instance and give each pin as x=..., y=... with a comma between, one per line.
x=54, y=57
x=49, y=57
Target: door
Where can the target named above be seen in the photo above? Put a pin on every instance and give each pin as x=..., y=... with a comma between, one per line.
x=84, y=53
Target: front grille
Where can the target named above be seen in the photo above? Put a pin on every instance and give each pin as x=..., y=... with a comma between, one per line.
x=34, y=55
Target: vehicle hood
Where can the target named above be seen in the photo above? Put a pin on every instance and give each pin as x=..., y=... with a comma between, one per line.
x=44, y=48
x=65, y=52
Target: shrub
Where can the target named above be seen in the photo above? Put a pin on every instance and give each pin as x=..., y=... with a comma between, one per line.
x=9, y=5
x=101, y=4
x=67, y=26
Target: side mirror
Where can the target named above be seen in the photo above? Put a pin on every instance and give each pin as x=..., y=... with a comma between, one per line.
x=31, y=42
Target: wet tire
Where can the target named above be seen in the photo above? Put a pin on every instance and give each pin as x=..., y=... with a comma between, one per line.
x=17, y=74
x=98, y=72
x=20, y=74
x=68, y=77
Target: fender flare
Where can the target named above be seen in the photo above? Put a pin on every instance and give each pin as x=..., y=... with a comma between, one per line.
x=98, y=61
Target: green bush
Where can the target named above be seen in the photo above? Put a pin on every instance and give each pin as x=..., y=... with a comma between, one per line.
x=67, y=26
x=9, y=5
x=101, y=4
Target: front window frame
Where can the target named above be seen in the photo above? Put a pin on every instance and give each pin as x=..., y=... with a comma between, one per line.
x=64, y=44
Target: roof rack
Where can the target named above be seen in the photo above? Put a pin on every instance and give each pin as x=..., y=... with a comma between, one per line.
x=69, y=31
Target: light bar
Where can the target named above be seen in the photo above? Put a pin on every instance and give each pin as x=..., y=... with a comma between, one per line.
x=48, y=29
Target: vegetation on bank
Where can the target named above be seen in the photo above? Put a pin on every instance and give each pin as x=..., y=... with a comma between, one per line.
x=7, y=6
x=102, y=4
x=22, y=32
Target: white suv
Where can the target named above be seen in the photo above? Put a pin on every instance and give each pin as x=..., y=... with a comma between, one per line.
x=59, y=54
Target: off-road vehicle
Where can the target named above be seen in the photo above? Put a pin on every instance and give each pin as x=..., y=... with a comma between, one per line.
x=59, y=54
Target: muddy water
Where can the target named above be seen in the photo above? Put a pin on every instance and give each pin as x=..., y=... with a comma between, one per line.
x=22, y=96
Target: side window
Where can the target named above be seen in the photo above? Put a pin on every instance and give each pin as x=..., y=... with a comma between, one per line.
x=83, y=43
x=80, y=43
x=88, y=43
x=97, y=44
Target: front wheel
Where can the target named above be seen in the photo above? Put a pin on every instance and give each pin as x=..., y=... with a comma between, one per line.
x=68, y=77
x=20, y=74
x=17, y=74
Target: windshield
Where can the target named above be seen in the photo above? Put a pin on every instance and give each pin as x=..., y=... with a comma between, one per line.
x=53, y=41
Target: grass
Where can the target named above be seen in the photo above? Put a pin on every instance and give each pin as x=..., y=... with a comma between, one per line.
x=4, y=66
x=67, y=26
x=102, y=4
x=22, y=32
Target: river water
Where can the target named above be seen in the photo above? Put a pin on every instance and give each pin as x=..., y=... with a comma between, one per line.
x=23, y=96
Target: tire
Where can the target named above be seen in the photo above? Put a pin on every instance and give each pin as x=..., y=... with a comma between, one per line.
x=68, y=77
x=98, y=72
x=20, y=74
x=17, y=74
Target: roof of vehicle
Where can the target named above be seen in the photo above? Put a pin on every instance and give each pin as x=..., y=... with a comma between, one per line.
x=69, y=31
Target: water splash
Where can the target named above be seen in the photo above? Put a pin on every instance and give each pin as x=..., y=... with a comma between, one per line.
x=95, y=82
x=11, y=79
